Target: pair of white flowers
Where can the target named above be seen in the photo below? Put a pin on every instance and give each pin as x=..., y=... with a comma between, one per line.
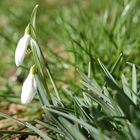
x=29, y=87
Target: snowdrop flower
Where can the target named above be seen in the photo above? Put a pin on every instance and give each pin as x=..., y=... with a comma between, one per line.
x=29, y=87
x=22, y=47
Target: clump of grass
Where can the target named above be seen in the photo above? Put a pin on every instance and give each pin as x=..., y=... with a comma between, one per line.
x=105, y=104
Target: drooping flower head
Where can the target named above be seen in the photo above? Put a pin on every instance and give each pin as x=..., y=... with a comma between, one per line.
x=29, y=87
x=22, y=47
x=23, y=44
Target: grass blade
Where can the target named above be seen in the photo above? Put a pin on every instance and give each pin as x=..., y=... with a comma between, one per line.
x=134, y=83
x=72, y=129
x=39, y=132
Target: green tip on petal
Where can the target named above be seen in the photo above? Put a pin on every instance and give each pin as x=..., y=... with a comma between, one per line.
x=28, y=29
x=33, y=70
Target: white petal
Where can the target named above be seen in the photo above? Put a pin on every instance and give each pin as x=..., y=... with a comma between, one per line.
x=21, y=49
x=35, y=44
x=29, y=89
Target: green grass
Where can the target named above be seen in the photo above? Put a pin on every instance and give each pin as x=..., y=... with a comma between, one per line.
x=90, y=89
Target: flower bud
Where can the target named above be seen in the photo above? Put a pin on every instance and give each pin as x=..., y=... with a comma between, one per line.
x=29, y=87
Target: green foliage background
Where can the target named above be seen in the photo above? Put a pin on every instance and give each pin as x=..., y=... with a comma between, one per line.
x=73, y=34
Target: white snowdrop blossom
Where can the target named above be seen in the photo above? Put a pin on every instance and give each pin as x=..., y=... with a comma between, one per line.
x=29, y=87
x=21, y=49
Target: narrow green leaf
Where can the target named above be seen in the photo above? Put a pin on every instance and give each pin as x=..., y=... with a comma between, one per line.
x=72, y=129
x=134, y=131
x=11, y=132
x=89, y=70
x=83, y=114
x=125, y=86
x=127, y=106
x=42, y=93
x=33, y=16
x=96, y=91
x=107, y=109
x=46, y=98
x=11, y=118
x=51, y=127
x=54, y=86
x=107, y=73
x=91, y=82
x=134, y=83
x=113, y=103
x=73, y=118
x=116, y=63
x=39, y=132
